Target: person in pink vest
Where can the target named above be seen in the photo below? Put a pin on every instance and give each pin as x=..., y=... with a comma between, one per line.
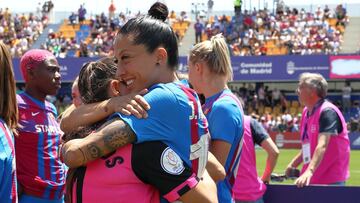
x=325, y=143
x=249, y=187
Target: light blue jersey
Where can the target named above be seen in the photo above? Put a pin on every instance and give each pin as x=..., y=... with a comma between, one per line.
x=225, y=116
x=8, y=183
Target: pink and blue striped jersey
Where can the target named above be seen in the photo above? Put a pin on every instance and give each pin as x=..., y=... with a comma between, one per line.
x=8, y=185
x=225, y=116
x=40, y=171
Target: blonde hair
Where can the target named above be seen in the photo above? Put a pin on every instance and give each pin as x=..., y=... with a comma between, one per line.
x=215, y=54
x=8, y=104
x=315, y=81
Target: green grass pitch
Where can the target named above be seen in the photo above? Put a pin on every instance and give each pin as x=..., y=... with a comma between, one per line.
x=287, y=154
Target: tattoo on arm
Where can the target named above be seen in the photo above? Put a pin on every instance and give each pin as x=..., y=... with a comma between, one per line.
x=111, y=136
x=119, y=138
x=93, y=150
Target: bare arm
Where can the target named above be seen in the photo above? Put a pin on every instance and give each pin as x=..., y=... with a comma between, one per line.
x=88, y=114
x=323, y=142
x=221, y=150
x=294, y=163
x=111, y=136
x=204, y=192
x=272, y=155
x=215, y=169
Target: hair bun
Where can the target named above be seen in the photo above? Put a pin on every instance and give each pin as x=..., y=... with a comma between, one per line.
x=159, y=11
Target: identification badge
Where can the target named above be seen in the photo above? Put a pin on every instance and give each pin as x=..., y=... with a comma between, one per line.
x=306, y=153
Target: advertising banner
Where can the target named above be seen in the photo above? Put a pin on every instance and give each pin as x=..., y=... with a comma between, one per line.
x=278, y=68
x=249, y=68
x=345, y=67
x=286, y=140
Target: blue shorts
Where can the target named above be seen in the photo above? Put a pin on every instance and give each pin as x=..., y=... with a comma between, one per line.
x=31, y=199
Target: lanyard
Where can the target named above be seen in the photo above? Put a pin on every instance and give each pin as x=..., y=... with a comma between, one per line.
x=305, y=134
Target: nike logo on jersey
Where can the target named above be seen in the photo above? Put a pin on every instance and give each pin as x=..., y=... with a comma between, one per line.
x=34, y=113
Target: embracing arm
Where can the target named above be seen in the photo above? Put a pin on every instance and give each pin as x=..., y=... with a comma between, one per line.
x=204, y=192
x=112, y=135
x=221, y=150
x=88, y=114
x=215, y=169
x=85, y=114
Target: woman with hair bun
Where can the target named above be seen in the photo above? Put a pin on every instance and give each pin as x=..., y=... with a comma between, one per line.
x=146, y=55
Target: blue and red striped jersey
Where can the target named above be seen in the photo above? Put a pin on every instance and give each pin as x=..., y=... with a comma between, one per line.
x=40, y=171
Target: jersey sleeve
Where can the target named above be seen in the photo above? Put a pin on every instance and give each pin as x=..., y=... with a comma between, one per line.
x=225, y=122
x=157, y=164
x=329, y=122
x=159, y=123
x=258, y=132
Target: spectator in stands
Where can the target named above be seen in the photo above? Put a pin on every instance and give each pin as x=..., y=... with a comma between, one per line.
x=47, y=7
x=8, y=124
x=340, y=13
x=82, y=13
x=248, y=186
x=275, y=97
x=346, y=98
x=72, y=18
x=237, y=6
x=209, y=72
x=38, y=10
x=324, y=136
x=210, y=5
x=41, y=173
x=112, y=10
x=261, y=95
x=184, y=17
x=84, y=51
x=326, y=12
x=20, y=31
x=199, y=29
x=283, y=102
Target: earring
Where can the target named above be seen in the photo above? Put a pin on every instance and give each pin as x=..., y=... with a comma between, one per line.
x=157, y=64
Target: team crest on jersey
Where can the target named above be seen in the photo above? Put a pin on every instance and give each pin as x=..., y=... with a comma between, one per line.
x=171, y=162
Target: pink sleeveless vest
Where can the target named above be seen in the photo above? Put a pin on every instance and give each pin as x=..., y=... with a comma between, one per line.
x=248, y=186
x=334, y=166
x=112, y=180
